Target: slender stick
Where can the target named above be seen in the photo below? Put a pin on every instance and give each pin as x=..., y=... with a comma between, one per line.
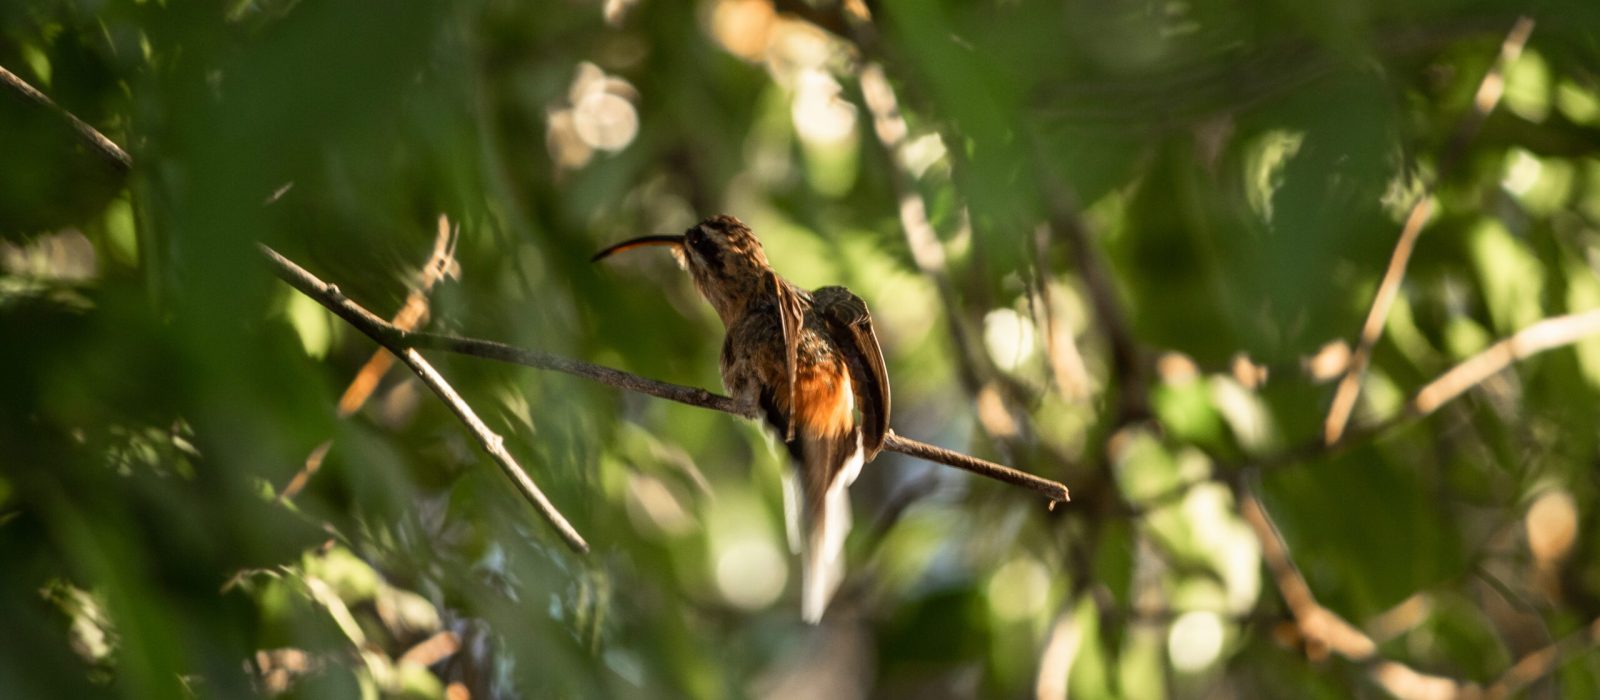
x=701, y=398
x=1488, y=95
x=1551, y=333
x=1052, y=490
x=1322, y=629
x=1544, y=661
x=387, y=335
x=495, y=446
x=1548, y=334
x=441, y=264
x=97, y=141
x=501, y=352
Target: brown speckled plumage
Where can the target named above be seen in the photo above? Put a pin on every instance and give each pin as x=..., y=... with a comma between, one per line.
x=810, y=360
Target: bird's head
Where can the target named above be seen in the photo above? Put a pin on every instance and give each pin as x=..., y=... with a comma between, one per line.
x=721, y=254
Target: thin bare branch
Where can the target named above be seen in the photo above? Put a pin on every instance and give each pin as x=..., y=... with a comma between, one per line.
x=1052, y=490
x=1324, y=631
x=1551, y=333
x=1548, y=334
x=491, y=350
x=927, y=252
x=387, y=335
x=1544, y=661
x=1066, y=220
x=107, y=149
x=1487, y=97
x=701, y=398
x=495, y=446
x=441, y=264
x=1322, y=628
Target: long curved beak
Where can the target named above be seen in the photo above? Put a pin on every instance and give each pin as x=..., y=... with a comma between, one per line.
x=674, y=241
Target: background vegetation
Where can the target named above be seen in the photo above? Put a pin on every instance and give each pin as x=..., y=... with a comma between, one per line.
x=1129, y=246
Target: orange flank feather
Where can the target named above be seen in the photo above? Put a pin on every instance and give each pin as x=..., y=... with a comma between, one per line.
x=826, y=401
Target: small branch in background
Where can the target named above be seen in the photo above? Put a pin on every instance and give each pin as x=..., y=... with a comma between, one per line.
x=91, y=137
x=441, y=264
x=1066, y=220
x=1543, y=662
x=1072, y=378
x=1551, y=333
x=387, y=335
x=436, y=648
x=1484, y=102
x=1324, y=631
x=927, y=252
x=1548, y=334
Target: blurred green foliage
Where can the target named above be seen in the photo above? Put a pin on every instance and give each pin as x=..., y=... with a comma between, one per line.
x=1241, y=171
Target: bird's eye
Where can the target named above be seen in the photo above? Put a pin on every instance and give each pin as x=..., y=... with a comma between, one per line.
x=700, y=240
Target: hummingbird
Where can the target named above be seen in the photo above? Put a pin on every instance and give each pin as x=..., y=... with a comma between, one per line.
x=811, y=363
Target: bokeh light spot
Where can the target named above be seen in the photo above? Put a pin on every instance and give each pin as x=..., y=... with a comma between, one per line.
x=605, y=121
x=1008, y=337
x=1195, y=641
x=1552, y=525
x=1019, y=589
x=750, y=572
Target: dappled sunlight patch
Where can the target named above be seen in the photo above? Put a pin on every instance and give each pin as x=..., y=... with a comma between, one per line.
x=313, y=325
x=1009, y=337
x=1583, y=293
x=1552, y=528
x=1527, y=91
x=1195, y=641
x=828, y=129
x=748, y=564
x=655, y=509
x=1576, y=103
x=1019, y=590
x=67, y=257
x=90, y=631
x=1329, y=362
x=1543, y=185
x=598, y=114
x=1266, y=158
x=1246, y=414
x=1511, y=275
x=750, y=572
x=743, y=27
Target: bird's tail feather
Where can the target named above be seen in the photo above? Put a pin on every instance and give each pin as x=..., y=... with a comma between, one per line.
x=829, y=466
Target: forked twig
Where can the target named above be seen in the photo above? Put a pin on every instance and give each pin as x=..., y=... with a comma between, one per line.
x=387, y=335
x=1488, y=95
x=441, y=264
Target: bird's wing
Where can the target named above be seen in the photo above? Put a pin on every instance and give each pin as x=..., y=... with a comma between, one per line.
x=850, y=327
x=792, y=314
